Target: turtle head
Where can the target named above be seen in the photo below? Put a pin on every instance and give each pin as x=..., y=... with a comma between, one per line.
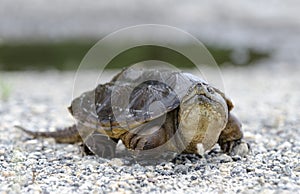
x=202, y=95
x=203, y=115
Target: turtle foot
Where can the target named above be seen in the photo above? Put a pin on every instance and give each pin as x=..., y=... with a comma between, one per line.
x=238, y=147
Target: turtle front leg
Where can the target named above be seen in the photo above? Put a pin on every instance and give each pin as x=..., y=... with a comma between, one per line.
x=152, y=148
x=136, y=141
x=230, y=139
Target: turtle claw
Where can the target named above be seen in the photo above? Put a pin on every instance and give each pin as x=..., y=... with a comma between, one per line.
x=238, y=147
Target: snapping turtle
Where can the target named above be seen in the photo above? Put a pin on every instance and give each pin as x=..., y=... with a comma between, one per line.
x=151, y=110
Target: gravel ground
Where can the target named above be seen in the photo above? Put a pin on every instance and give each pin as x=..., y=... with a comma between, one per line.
x=266, y=99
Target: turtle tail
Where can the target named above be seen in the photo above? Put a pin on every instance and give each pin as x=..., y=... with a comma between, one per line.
x=66, y=135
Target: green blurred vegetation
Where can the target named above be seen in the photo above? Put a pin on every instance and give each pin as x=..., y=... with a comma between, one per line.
x=5, y=91
x=67, y=55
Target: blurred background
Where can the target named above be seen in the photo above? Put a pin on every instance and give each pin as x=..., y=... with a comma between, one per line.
x=43, y=34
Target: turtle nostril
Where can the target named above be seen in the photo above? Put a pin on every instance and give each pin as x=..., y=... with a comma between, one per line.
x=200, y=88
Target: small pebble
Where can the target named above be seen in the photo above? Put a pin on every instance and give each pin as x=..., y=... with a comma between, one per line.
x=224, y=158
x=181, y=169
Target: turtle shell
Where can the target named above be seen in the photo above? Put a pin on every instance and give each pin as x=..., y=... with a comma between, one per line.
x=132, y=98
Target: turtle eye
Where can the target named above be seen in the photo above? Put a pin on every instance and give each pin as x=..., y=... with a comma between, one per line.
x=210, y=90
